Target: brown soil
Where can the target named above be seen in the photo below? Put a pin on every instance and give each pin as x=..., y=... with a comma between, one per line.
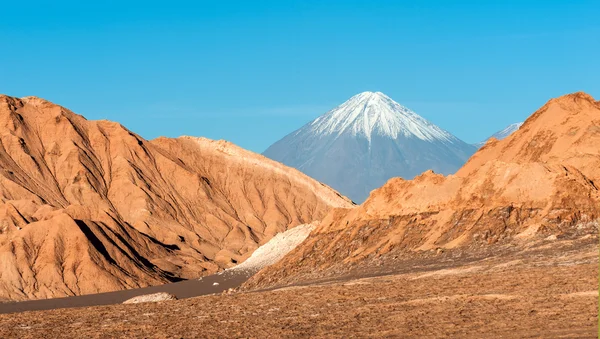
x=547, y=289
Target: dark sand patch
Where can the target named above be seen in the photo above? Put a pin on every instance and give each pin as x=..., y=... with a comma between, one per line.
x=182, y=290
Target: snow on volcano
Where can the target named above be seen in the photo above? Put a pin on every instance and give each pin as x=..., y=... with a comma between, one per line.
x=374, y=112
x=510, y=129
x=367, y=140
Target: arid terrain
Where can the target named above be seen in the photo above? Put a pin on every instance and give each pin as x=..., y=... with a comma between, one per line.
x=543, y=289
x=506, y=247
x=540, y=181
x=89, y=206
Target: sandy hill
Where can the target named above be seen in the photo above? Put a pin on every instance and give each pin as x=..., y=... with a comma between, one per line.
x=541, y=181
x=89, y=206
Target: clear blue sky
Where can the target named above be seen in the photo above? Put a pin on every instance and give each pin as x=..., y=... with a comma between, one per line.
x=253, y=71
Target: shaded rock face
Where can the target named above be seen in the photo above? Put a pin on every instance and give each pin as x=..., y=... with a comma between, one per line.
x=540, y=181
x=359, y=145
x=89, y=206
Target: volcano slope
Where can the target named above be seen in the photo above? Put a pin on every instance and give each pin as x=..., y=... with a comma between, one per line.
x=540, y=182
x=89, y=206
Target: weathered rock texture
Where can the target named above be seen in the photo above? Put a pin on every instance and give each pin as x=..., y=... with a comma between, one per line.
x=541, y=180
x=89, y=206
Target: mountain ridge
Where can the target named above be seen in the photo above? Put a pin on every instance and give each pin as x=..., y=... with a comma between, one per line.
x=89, y=206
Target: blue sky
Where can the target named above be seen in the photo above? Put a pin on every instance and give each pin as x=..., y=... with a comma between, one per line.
x=253, y=71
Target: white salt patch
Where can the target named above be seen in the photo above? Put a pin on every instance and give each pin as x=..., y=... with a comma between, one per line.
x=276, y=248
x=161, y=296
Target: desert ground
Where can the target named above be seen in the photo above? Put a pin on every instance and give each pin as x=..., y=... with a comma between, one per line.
x=540, y=289
x=215, y=283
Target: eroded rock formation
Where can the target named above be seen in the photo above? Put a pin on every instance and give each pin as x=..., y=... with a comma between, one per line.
x=89, y=206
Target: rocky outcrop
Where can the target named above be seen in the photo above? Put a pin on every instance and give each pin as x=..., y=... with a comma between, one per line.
x=541, y=180
x=89, y=206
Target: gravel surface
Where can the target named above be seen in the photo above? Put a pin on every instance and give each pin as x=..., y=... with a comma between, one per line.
x=543, y=293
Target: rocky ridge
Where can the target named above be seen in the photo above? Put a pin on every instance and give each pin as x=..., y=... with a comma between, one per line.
x=89, y=206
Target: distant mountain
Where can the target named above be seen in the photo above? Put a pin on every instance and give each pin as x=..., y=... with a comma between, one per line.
x=510, y=129
x=367, y=140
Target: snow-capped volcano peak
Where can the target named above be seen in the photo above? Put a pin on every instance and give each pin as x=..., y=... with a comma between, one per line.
x=367, y=140
x=374, y=112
